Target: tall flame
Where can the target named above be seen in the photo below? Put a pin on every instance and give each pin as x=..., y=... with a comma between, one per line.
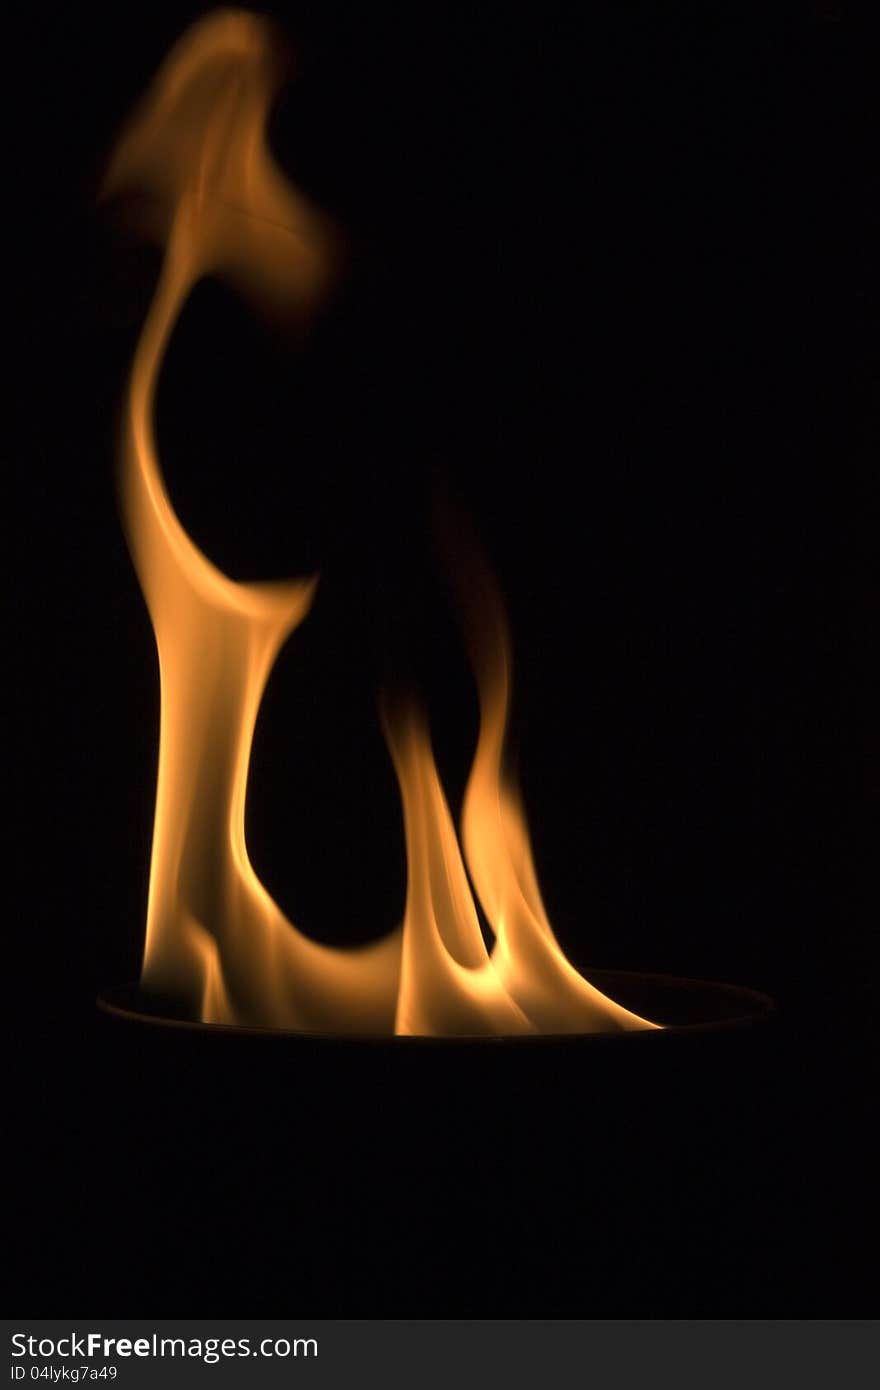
x=216, y=942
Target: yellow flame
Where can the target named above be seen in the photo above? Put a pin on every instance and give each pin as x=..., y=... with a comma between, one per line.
x=532, y=966
x=450, y=982
x=216, y=942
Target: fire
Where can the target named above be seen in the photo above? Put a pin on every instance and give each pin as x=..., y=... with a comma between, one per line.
x=217, y=945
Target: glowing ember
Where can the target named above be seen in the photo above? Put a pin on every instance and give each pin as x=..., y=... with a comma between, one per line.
x=216, y=942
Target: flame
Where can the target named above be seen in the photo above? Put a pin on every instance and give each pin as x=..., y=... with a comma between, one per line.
x=450, y=982
x=216, y=943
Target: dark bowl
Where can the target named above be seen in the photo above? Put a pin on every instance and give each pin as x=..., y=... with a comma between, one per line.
x=465, y=1176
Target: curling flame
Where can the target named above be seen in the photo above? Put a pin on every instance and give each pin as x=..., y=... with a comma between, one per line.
x=216, y=943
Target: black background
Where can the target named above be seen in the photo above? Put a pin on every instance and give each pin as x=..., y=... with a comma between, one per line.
x=612, y=275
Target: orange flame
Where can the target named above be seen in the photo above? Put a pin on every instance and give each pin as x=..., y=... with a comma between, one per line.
x=216, y=942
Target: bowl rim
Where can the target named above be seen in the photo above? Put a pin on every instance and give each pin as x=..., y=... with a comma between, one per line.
x=128, y=1003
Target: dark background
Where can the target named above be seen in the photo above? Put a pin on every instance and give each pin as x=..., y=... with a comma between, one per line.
x=612, y=275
